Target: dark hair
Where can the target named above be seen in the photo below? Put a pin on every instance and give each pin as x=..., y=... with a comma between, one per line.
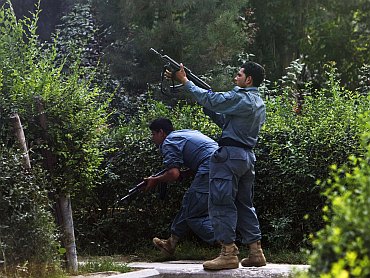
x=161, y=123
x=256, y=71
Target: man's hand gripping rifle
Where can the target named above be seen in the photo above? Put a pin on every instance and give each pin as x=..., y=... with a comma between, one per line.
x=174, y=66
x=138, y=187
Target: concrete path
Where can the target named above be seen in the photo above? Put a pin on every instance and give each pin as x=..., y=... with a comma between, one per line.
x=194, y=269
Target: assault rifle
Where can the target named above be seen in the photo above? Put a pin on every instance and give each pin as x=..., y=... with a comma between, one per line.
x=174, y=66
x=138, y=187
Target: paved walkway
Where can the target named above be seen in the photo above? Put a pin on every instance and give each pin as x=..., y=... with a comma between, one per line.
x=194, y=269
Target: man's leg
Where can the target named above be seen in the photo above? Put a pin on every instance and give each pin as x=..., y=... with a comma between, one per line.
x=197, y=216
x=179, y=229
x=248, y=224
x=222, y=209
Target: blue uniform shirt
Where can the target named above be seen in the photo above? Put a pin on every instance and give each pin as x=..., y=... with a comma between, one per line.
x=189, y=148
x=239, y=112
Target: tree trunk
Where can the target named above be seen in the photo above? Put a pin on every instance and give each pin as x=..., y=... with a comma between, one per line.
x=65, y=210
x=19, y=134
x=50, y=160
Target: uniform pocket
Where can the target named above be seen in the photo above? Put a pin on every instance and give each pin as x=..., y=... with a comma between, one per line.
x=220, y=155
x=221, y=188
x=198, y=204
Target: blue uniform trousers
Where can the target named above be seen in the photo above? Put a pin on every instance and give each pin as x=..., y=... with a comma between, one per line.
x=231, y=195
x=193, y=214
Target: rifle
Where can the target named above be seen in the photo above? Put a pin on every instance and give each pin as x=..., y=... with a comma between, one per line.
x=174, y=66
x=138, y=187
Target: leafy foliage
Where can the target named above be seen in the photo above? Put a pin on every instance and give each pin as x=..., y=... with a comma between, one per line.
x=27, y=231
x=337, y=31
x=342, y=247
x=33, y=77
x=64, y=120
x=364, y=77
x=80, y=34
x=295, y=150
x=280, y=26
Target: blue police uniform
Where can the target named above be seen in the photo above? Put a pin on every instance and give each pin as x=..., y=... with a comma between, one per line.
x=240, y=113
x=192, y=149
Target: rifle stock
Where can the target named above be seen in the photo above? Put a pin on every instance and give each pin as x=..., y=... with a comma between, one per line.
x=175, y=66
x=138, y=187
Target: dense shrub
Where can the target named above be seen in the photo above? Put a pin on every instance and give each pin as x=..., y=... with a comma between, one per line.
x=342, y=247
x=297, y=149
x=35, y=75
x=27, y=231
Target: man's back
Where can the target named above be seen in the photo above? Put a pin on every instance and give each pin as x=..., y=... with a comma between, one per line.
x=189, y=148
x=244, y=126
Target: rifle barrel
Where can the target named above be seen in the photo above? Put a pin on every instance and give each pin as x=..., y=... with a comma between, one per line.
x=136, y=188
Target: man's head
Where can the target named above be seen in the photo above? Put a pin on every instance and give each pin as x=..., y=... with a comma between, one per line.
x=160, y=128
x=250, y=74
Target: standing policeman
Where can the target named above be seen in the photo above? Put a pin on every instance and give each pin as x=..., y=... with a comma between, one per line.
x=240, y=113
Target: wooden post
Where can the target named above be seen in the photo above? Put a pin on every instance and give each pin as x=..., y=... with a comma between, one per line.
x=19, y=134
x=64, y=204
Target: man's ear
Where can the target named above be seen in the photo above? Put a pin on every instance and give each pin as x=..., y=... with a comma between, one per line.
x=249, y=80
x=163, y=133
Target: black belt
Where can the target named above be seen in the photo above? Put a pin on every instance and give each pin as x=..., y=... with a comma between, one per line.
x=233, y=143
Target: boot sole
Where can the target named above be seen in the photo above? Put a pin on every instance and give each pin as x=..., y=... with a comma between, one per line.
x=216, y=266
x=220, y=268
x=253, y=265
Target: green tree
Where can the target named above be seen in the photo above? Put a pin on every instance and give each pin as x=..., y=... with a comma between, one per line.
x=58, y=103
x=197, y=33
x=281, y=25
x=75, y=120
x=337, y=31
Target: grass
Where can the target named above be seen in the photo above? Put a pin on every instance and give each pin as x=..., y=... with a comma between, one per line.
x=286, y=257
x=101, y=264
x=32, y=270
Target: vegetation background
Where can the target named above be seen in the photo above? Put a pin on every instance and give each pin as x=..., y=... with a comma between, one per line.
x=88, y=62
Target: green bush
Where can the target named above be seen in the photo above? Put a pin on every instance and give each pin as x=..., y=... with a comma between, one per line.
x=103, y=265
x=75, y=116
x=342, y=247
x=294, y=151
x=27, y=231
x=37, y=82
